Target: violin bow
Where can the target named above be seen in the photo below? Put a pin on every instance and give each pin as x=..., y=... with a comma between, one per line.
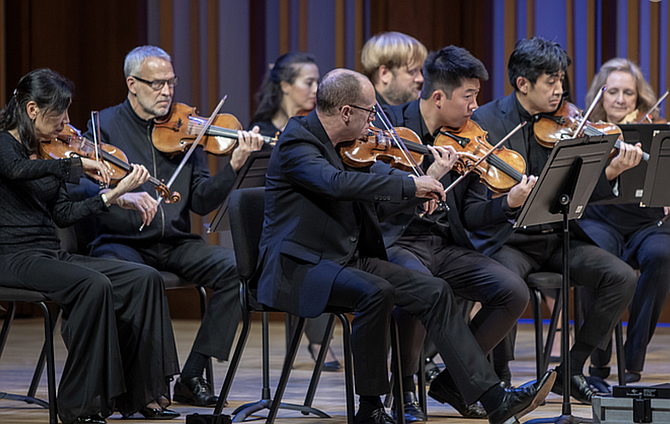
x=646, y=115
x=405, y=151
x=483, y=158
x=95, y=123
x=589, y=111
x=190, y=151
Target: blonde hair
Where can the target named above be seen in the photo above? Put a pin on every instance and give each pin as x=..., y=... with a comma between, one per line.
x=645, y=95
x=393, y=50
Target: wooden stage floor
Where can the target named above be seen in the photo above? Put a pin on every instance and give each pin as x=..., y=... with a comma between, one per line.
x=16, y=367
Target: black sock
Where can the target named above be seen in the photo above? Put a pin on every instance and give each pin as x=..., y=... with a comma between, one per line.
x=492, y=398
x=369, y=404
x=194, y=366
x=408, y=384
x=502, y=370
x=579, y=353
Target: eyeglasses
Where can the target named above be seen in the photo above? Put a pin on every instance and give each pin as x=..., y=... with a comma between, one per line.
x=157, y=85
x=371, y=112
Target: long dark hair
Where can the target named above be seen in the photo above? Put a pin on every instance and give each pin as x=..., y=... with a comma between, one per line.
x=49, y=90
x=269, y=95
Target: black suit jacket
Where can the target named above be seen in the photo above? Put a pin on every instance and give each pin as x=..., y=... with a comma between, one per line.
x=317, y=215
x=468, y=206
x=499, y=117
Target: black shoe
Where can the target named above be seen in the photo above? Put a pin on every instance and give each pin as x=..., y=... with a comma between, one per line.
x=579, y=387
x=413, y=412
x=377, y=416
x=602, y=372
x=598, y=385
x=633, y=377
x=158, y=413
x=332, y=366
x=518, y=402
x=442, y=391
x=432, y=371
x=194, y=391
x=91, y=419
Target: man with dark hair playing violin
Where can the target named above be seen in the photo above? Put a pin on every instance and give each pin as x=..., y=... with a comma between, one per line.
x=536, y=69
x=437, y=244
x=166, y=242
x=321, y=245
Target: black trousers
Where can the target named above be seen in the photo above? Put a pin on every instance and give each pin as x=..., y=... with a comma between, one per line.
x=201, y=263
x=472, y=276
x=648, y=250
x=116, y=327
x=372, y=287
x=610, y=278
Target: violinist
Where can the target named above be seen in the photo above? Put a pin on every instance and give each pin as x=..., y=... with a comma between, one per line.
x=628, y=231
x=393, y=62
x=289, y=89
x=321, y=245
x=112, y=361
x=167, y=242
x=536, y=69
x=437, y=244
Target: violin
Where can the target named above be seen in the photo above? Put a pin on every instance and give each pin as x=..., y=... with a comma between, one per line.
x=177, y=131
x=500, y=171
x=378, y=144
x=70, y=143
x=563, y=123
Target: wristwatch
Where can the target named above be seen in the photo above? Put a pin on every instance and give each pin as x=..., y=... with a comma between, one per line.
x=104, y=199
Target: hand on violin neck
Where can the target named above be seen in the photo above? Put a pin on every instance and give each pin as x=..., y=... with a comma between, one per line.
x=519, y=193
x=445, y=158
x=96, y=170
x=134, y=179
x=248, y=141
x=429, y=188
x=629, y=156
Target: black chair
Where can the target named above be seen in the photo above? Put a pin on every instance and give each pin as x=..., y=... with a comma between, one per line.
x=539, y=281
x=12, y=296
x=245, y=209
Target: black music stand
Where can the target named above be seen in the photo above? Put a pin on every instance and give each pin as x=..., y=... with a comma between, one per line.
x=562, y=191
x=631, y=182
x=252, y=174
x=656, y=192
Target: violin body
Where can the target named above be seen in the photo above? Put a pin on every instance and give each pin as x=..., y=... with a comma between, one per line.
x=379, y=145
x=177, y=131
x=70, y=143
x=500, y=171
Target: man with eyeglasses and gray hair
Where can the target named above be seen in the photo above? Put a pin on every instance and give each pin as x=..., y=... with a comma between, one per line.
x=166, y=242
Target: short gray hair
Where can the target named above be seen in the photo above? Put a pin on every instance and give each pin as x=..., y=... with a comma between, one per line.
x=135, y=58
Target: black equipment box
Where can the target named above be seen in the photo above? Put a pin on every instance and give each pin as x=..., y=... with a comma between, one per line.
x=633, y=404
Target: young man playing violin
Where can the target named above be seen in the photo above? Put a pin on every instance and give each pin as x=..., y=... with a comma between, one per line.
x=536, y=69
x=166, y=241
x=393, y=62
x=322, y=245
x=437, y=244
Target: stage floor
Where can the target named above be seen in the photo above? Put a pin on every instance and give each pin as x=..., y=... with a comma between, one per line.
x=25, y=341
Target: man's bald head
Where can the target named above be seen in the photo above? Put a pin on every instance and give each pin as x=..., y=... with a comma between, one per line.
x=341, y=87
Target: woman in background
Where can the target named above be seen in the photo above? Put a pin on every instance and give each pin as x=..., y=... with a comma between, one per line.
x=629, y=231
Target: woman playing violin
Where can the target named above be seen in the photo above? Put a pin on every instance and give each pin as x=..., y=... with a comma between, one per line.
x=289, y=88
x=628, y=231
x=113, y=361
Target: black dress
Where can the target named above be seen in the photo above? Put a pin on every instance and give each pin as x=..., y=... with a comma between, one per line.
x=116, y=324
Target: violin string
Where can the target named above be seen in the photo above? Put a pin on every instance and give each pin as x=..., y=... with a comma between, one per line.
x=500, y=164
x=398, y=141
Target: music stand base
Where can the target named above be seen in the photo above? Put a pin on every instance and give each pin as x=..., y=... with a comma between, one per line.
x=246, y=410
x=26, y=399
x=563, y=419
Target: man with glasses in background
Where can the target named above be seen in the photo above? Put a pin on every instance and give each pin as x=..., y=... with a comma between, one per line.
x=166, y=241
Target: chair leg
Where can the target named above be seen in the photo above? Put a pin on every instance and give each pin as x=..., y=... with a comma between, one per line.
x=553, y=325
x=234, y=362
x=620, y=355
x=348, y=367
x=209, y=370
x=286, y=370
x=321, y=358
x=49, y=326
x=536, y=304
x=421, y=380
x=9, y=317
x=397, y=388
